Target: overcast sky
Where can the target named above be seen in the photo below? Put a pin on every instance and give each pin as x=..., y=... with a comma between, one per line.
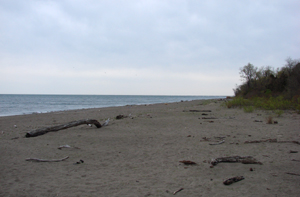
x=141, y=47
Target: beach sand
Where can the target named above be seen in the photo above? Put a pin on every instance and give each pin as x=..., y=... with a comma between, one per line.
x=140, y=155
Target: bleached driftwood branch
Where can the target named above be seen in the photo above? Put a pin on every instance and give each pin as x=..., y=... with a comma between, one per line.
x=178, y=191
x=47, y=160
x=43, y=131
x=67, y=146
x=220, y=142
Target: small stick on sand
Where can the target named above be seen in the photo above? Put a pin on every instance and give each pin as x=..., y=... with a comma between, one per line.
x=47, y=160
x=222, y=137
x=259, y=141
x=195, y=110
x=292, y=173
x=187, y=162
x=295, y=160
x=205, y=139
x=209, y=118
x=220, y=142
x=233, y=180
x=271, y=140
x=295, y=142
x=177, y=191
x=64, y=146
x=67, y=146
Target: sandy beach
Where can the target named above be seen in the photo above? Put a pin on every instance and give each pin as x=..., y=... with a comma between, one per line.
x=140, y=154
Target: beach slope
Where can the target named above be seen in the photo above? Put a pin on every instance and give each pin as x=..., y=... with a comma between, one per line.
x=140, y=154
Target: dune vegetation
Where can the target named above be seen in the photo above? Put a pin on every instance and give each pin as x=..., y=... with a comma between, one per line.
x=268, y=88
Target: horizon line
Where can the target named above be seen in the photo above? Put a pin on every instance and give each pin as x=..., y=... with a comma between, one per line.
x=107, y=94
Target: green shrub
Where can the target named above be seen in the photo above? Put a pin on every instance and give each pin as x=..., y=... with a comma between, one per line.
x=248, y=109
x=238, y=102
x=278, y=112
x=271, y=103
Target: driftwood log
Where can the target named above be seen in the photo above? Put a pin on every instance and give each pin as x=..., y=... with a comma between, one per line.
x=235, y=159
x=43, y=131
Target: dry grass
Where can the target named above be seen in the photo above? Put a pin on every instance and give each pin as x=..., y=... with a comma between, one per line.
x=270, y=120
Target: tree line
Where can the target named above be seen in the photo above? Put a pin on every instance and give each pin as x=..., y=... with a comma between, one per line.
x=269, y=82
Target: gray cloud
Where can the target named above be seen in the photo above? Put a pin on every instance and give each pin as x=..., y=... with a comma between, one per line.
x=209, y=38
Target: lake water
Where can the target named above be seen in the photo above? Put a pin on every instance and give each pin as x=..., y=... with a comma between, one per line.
x=17, y=104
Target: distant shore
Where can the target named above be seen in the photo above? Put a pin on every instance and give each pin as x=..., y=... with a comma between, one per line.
x=140, y=154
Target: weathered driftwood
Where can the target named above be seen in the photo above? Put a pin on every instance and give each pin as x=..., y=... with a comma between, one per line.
x=290, y=173
x=272, y=141
x=259, y=141
x=105, y=123
x=187, y=162
x=195, y=110
x=178, y=191
x=46, y=160
x=221, y=137
x=235, y=159
x=206, y=139
x=79, y=162
x=121, y=116
x=221, y=140
x=217, y=143
x=233, y=180
x=295, y=160
x=209, y=118
x=295, y=142
x=67, y=146
x=43, y=131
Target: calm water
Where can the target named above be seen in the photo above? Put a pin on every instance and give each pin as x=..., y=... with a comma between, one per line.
x=11, y=104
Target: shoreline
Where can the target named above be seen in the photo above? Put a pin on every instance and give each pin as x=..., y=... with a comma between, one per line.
x=140, y=154
x=58, y=111
x=30, y=104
